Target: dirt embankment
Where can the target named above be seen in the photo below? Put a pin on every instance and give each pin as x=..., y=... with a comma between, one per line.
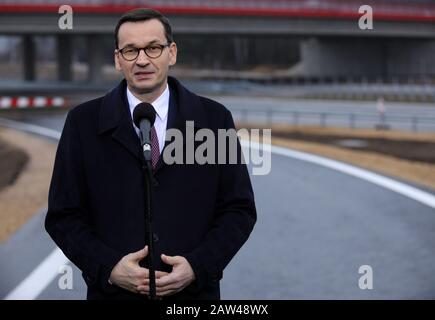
x=29, y=191
x=12, y=162
x=404, y=155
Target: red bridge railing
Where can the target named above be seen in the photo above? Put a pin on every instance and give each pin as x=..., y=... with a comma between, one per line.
x=399, y=10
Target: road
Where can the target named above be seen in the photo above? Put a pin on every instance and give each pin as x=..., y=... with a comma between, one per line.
x=316, y=227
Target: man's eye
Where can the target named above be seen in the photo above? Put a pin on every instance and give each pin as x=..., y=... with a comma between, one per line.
x=129, y=50
x=153, y=48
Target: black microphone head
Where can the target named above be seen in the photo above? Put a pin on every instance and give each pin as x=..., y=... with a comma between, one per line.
x=144, y=111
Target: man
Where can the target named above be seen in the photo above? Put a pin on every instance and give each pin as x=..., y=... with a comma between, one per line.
x=201, y=214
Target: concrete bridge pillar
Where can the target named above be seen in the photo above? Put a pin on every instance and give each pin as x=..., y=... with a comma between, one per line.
x=95, y=54
x=64, y=57
x=29, y=53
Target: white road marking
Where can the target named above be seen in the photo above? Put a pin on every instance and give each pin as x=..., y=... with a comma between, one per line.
x=404, y=189
x=41, y=277
x=31, y=128
x=32, y=286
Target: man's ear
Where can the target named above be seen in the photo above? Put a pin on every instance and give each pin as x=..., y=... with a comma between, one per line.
x=173, y=54
x=117, y=64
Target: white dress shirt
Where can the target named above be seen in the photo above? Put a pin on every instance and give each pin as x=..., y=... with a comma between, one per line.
x=161, y=105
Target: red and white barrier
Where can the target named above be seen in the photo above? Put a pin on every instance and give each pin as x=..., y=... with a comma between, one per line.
x=23, y=102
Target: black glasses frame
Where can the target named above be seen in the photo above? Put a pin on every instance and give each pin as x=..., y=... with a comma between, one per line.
x=138, y=50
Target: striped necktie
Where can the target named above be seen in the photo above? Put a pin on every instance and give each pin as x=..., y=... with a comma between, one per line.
x=155, y=151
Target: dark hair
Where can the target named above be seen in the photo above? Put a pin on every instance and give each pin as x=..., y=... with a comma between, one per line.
x=142, y=14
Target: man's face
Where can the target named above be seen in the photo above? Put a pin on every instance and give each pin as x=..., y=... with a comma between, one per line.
x=145, y=75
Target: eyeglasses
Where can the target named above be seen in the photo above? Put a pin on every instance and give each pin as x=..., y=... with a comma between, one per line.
x=153, y=51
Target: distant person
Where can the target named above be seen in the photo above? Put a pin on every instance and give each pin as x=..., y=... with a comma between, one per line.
x=202, y=213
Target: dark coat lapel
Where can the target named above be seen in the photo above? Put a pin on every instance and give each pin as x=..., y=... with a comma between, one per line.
x=183, y=106
x=115, y=114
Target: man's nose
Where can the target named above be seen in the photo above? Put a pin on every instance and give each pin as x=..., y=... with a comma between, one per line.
x=142, y=58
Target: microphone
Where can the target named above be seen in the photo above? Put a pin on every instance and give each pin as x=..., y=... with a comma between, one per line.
x=144, y=116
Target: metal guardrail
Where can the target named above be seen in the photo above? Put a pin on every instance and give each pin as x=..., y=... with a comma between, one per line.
x=352, y=120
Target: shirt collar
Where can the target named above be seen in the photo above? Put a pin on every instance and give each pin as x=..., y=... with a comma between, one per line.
x=161, y=104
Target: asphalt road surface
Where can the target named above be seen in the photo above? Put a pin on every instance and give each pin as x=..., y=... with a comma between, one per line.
x=316, y=227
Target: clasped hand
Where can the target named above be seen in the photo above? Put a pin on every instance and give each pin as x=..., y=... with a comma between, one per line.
x=129, y=275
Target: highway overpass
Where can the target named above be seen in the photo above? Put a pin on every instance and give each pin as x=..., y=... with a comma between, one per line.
x=322, y=37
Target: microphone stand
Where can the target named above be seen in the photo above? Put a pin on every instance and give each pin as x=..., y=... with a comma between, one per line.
x=148, y=215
